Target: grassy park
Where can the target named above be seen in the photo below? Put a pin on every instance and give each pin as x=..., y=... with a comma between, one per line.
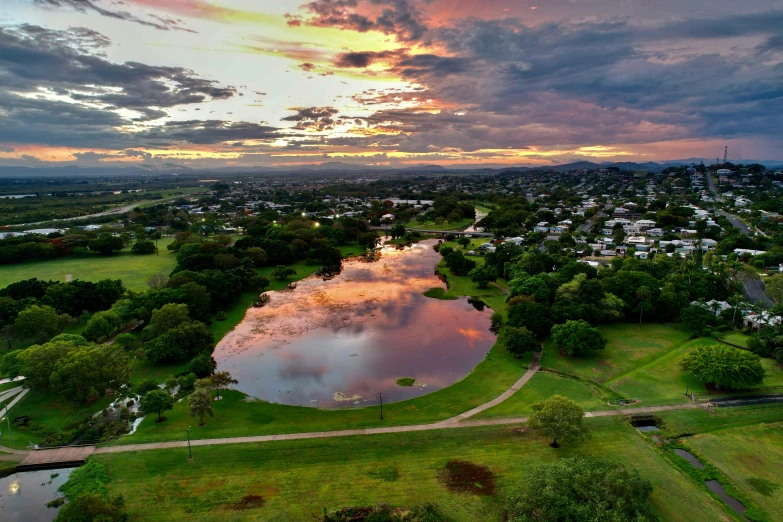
x=133, y=269
x=298, y=479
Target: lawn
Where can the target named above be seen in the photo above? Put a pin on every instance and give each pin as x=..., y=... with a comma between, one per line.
x=446, y=225
x=134, y=270
x=49, y=412
x=542, y=386
x=738, y=338
x=750, y=457
x=237, y=416
x=296, y=480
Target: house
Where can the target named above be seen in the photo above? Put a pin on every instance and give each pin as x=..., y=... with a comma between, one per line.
x=645, y=224
x=608, y=253
x=516, y=240
x=641, y=255
x=740, y=251
x=487, y=247
x=655, y=232
x=636, y=240
x=713, y=306
x=558, y=229
x=757, y=320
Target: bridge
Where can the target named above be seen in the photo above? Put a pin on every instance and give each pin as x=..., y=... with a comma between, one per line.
x=441, y=232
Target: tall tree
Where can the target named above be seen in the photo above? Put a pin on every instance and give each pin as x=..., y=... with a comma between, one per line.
x=157, y=401
x=559, y=417
x=200, y=403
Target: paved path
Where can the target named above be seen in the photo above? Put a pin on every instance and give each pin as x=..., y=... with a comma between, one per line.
x=52, y=457
x=374, y=431
x=10, y=405
x=535, y=364
x=501, y=288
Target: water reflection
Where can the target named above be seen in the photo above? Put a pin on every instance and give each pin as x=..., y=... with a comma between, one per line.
x=23, y=496
x=341, y=342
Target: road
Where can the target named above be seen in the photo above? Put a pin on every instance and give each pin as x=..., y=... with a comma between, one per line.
x=711, y=185
x=120, y=210
x=756, y=292
x=735, y=221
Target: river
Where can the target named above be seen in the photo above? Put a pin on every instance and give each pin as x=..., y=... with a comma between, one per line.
x=23, y=496
x=342, y=342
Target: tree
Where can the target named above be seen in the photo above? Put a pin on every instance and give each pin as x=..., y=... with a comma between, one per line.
x=101, y=325
x=483, y=275
x=696, y=317
x=183, y=342
x=535, y=316
x=157, y=281
x=577, y=338
x=258, y=256
x=282, y=273
x=559, y=417
x=10, y=365
x=125, y=341
x=397, y=230
x=463, y=242
x=157, y=401
x=519, y=341
x=200, y=403
x=774, y=286
x=368, y=241
x=724, y=366
x=534, y=286
x=144, y=386
x=39, y=323
x=93, y=366
x=580, y=488
x=643, y=294
x=217, y=381
x=202, y=365
x=165, y=318
x=106, y=244
x=258, y=283
x=37, y=362
x=144, y=248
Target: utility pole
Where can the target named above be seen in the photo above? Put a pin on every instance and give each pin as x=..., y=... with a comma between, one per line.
x=190, y=453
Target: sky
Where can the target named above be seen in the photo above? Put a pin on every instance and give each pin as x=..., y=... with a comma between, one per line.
x=208, y=83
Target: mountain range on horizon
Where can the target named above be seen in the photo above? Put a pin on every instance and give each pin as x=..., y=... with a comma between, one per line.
x=336, y=166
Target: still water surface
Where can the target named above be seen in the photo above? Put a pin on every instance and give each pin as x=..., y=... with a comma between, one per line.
x=342, y=342
x=23, y=496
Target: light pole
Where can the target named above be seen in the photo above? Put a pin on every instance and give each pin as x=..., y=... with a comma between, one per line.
x=190, y=453
x=10, y=438
x=381, y=405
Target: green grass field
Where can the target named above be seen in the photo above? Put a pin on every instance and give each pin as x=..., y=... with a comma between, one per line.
x=542, y=386
x=462, y=224
x=236, y=416
x=298, y=479
x=134, y=270
x=750, y=457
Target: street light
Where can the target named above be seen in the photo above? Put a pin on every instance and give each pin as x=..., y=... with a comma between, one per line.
x=10, y=438
x=190, y=453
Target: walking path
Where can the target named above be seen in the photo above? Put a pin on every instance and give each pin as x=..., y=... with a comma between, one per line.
x=535, y=364
x=459, y=421
x=501, y=288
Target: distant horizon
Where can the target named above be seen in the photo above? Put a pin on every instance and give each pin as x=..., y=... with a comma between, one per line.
x=400, y=83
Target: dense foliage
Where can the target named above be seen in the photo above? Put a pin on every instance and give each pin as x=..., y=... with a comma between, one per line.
x=581, y=489
x=724, y=366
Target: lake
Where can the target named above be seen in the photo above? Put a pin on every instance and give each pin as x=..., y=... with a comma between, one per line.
x=23, y=496
x=342, y=342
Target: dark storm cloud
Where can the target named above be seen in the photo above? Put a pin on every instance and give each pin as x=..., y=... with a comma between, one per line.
x=313, y=118
x=401, y=18
x=35, y=62
x=364, y=59
x=588, y=80
x=84, y=6
x=209, y=132
x=33, y=58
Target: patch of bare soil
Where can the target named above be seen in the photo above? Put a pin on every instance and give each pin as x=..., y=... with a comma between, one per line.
x=465, y=477
x=248, y=502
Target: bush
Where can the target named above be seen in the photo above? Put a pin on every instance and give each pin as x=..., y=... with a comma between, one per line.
x=220, y=316
x=706, y=332
x=724, y=366
x=496, y=322
x=202, y=365
x=144, y=247
x=580, y=488
x=187, y=383
x=145, y=386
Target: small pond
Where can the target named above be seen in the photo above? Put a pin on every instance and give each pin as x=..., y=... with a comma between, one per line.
x=717, y=488
x=23, y=496
x=342, y=342
x=690, y=457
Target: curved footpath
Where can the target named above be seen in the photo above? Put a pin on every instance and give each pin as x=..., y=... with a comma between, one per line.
x=458, y=421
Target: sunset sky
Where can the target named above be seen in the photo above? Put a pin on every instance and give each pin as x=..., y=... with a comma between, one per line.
x=208, y=83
